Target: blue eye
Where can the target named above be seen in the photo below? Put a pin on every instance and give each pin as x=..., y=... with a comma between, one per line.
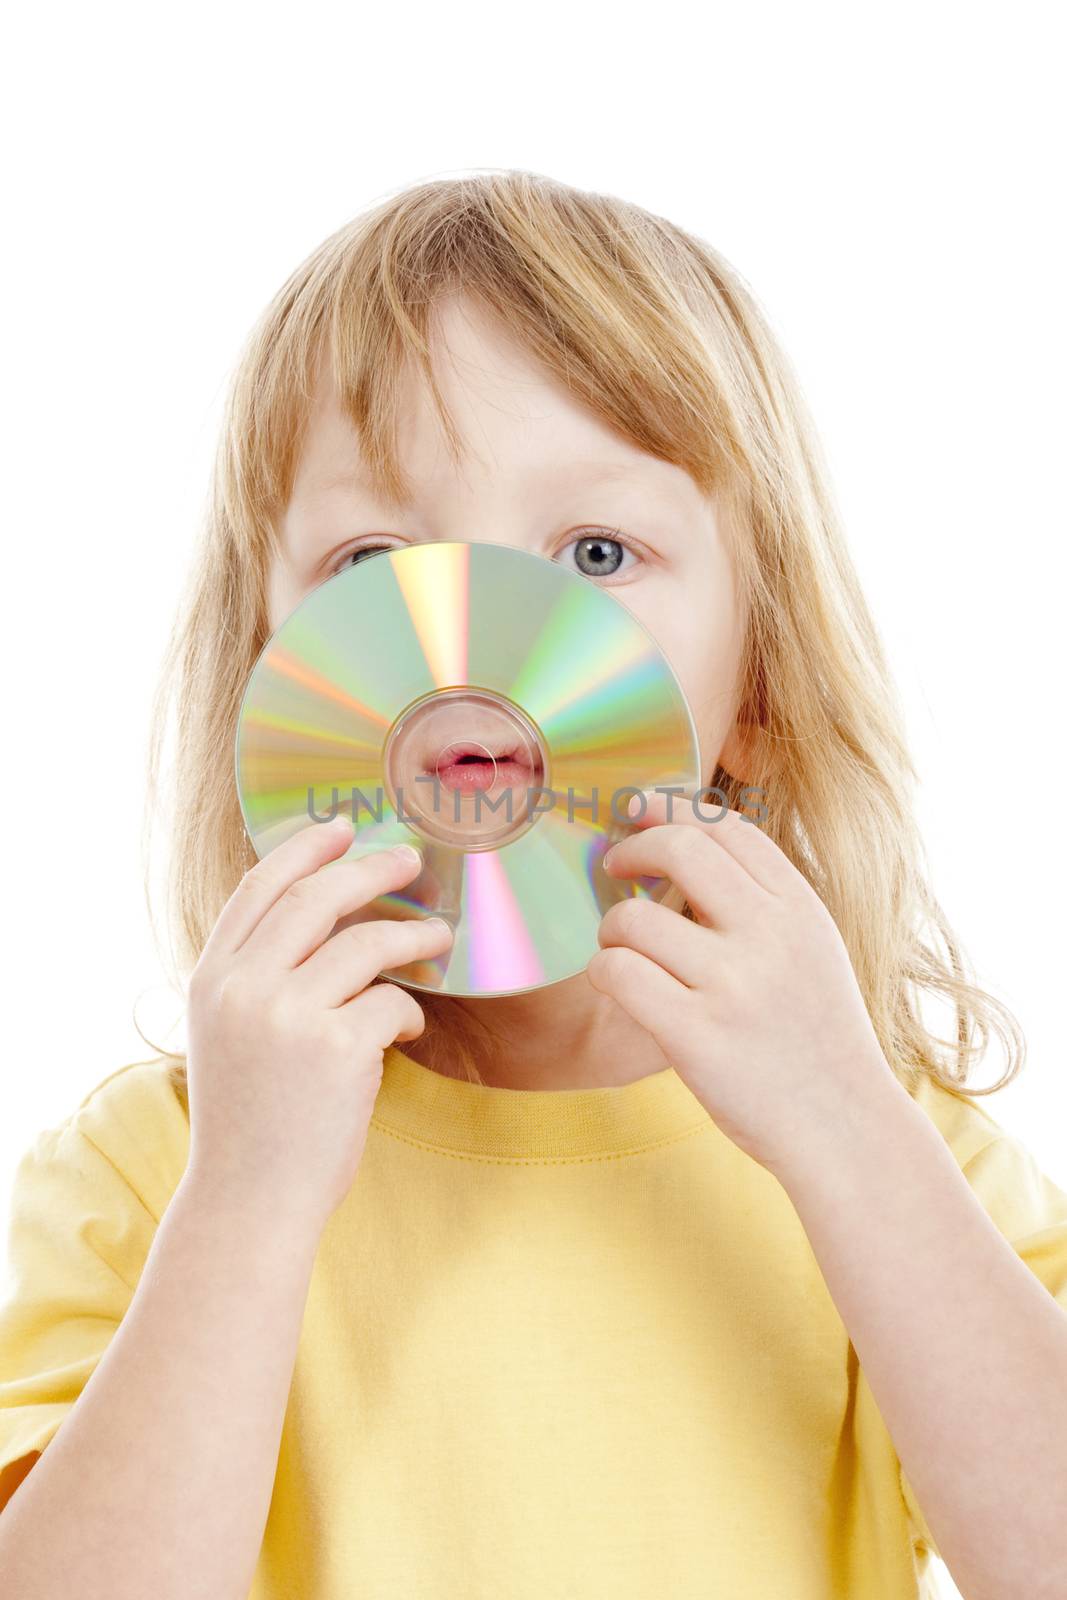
x=599, y=555
x=351, y=557
x=596, y=555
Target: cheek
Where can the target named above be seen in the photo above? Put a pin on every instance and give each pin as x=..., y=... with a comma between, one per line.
x=706, y=675
x=695, y=624
x=282, y=595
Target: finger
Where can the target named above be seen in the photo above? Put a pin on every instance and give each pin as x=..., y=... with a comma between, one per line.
x=648, y=994
x=306, y=913
x=717, y=886
x=383, y=1013
x=739, y=836
x=679, y=946
x=424, y=972
x=351, y=958
x=261, y=886
x=420, y=899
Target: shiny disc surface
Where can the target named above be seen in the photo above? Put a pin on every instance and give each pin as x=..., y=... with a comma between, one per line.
x=488, y=706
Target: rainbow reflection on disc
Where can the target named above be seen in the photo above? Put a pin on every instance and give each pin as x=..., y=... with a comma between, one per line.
x=488, y=706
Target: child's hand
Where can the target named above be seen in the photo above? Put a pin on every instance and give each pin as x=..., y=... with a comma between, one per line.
x=286, y=1039
x=756, y=1004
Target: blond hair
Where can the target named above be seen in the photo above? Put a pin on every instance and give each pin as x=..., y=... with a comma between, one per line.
x=657, y=334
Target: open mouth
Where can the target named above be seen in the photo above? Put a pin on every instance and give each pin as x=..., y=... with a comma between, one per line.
x=468, y=766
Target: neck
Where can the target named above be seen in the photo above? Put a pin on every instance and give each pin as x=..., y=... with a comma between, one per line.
x=565, y=1036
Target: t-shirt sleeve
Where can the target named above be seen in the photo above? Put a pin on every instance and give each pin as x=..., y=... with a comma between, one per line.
x=80, y=1229
x=1031, y=1212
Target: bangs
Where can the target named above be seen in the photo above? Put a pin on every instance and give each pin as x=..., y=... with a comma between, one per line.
x=603, y=296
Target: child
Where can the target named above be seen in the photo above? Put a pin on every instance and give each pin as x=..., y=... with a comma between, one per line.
x=699, y=1273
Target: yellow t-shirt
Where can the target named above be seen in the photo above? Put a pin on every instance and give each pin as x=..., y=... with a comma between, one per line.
x=556, y=1343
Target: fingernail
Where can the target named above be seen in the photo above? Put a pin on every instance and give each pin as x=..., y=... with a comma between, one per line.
x=440, y=922
x=636, y=805
x=407, y=852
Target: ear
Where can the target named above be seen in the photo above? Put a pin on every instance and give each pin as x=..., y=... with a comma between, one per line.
x=737, y=756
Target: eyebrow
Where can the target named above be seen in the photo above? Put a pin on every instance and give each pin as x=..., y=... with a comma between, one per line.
x=593, y=471
x=588, y=471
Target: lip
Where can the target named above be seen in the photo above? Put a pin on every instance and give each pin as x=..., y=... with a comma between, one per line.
x=468, y=767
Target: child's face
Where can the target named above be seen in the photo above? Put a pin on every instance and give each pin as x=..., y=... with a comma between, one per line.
x=541, y=473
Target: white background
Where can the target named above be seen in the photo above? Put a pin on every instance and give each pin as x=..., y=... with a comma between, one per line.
x=888, y=181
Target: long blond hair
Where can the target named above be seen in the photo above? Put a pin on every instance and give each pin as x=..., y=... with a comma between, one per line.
x=654, y=331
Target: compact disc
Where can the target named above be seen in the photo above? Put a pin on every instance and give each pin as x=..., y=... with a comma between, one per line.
x=489, y=706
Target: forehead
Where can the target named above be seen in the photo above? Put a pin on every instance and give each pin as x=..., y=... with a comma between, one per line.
x=514, y=419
